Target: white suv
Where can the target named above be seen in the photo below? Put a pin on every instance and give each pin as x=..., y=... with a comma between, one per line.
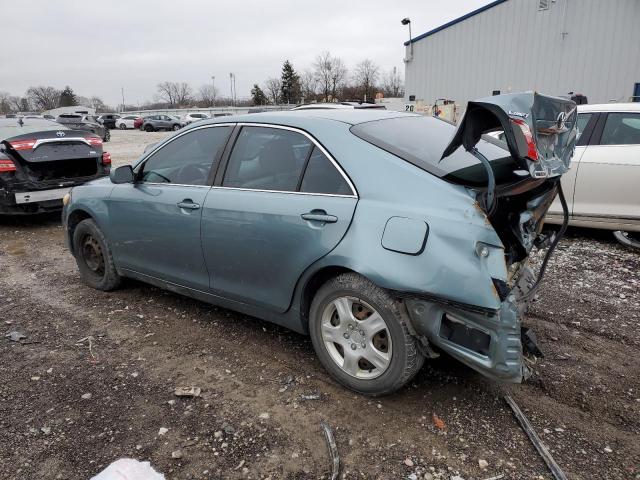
x=193, y=117
x=602, y=187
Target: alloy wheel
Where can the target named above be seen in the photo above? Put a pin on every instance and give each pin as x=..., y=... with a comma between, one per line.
x=356, y=337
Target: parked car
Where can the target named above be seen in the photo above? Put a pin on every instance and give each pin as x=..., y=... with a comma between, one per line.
x=258, y=213
x=153, y=123
x=128, y=121
x=341, y=106
x=41, y=160
x=87, y=123
x=109, y=120
x=193, y=117
x=602, y=185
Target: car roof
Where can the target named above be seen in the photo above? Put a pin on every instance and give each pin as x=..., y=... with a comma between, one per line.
x=297, y=117
x=610, y=107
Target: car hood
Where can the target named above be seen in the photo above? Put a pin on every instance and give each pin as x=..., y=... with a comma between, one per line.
x=540, y=131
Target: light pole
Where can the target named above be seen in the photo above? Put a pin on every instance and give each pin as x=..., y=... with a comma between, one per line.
x=213, y=84
x=407, y=21
x=231, y=86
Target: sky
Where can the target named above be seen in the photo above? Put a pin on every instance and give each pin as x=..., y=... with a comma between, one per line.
x=100, y=47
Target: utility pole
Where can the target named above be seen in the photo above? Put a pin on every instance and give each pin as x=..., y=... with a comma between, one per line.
x=235, y=92
x=231, y=87
x=122, y=91
x=213, y=83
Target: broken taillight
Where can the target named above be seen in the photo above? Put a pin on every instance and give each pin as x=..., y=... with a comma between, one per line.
x=96, y=141
x=106, y=158
x=22, y=144
x=532, y=151
x=6, y=165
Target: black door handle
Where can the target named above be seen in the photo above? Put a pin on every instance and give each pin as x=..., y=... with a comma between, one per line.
x=188, y=204
x=319, y=216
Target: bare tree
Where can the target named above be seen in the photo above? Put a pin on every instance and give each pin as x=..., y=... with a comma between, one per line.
x=43, y=98
x=392, y=84
x=273, y=87
x=366, y=77
x=207, y=95
x=97, y=103
x=175, y=94
x=308, y=85
x=331, y=74
x=5, y=102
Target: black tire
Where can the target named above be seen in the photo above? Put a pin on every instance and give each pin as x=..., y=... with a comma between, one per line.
x=107, y=135
x=94, y=258
x=123, y=126
x=148, y=128
x=405, y=358
x=176, y=127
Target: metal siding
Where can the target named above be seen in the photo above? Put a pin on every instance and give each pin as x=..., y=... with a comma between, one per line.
x=514, y=47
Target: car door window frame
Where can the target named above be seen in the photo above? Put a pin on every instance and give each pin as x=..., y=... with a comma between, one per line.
x=587, y=135
x=231, y=143
x=216, y=161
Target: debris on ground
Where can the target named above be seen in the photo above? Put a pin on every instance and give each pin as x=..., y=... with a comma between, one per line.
x=15, y=336
x=408, y=462
x=333, y=450
x=162, y=430
x=86, y=396
x=438, y=422
x=311, y=396
x=128, y=469
x=483, y=464
x=176, y=454
x=187, y=391
x=533, y=436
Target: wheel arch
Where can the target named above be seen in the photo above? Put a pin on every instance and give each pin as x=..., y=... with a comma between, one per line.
x=73, y=219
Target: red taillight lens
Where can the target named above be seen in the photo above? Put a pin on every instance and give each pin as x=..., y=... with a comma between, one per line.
x=532, y=151
x=106, y=158
x=96, y=141
x=6, y=165
x=22, y=144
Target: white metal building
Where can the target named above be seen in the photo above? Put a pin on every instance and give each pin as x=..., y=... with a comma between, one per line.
x=551, y=46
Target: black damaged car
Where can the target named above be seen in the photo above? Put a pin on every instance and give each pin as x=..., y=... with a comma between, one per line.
x=41, y=160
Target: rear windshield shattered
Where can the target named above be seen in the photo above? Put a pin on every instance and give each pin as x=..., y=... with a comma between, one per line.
x=421, y=140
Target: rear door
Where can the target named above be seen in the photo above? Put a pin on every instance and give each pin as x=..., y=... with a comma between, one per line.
x=607, y=179
x=155, y=222
x=282, y=204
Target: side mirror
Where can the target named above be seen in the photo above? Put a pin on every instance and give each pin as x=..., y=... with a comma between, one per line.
x=123, y=174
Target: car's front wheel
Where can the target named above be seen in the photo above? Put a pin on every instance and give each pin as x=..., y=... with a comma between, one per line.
x=176, y=127
x=123, y=126
x=359, y=332
x=107, y=135
x=148, y=128
x=93, y=256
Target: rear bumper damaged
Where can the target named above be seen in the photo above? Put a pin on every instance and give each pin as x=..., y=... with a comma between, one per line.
x=489, y=342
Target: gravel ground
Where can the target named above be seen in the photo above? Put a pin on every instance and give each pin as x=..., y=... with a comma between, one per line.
x=126, y=146
x=94, y=380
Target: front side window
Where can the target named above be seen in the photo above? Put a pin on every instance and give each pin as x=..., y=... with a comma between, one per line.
x=188, y=159
x=621, y=129
x=266, y=158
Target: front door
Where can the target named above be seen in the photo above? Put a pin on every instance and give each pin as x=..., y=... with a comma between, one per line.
x=282, y=205
x=156, y=221
x=608, y=173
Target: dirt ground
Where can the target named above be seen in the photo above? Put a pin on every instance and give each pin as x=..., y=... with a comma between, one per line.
x=94, y=380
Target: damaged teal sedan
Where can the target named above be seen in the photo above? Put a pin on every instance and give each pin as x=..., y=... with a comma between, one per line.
x=387, y=237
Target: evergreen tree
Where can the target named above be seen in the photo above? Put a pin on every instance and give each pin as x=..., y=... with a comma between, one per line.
x=290, y=84
x=67, y=97
x=258, y=96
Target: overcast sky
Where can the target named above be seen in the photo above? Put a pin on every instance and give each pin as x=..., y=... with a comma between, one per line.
x=99, y=47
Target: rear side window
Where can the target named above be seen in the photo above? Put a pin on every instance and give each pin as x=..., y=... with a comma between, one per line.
x=583, y=120
x=188, y=159
x=621, y=129
x=266, y=158
x=321, y=176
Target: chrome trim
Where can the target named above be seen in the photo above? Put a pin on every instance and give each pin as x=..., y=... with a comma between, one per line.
x=285, y=191
x=264, y=125
x=315, y=142
x=172, y=184
x=61, y=139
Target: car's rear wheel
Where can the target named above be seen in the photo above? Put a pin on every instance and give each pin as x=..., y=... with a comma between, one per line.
x=93, y=256
x=359, y=332
x=123, y=126
x=176, y=127
x=148, y=128
x=107, y=135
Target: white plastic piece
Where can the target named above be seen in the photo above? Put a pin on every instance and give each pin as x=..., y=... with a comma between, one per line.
x=129, y=469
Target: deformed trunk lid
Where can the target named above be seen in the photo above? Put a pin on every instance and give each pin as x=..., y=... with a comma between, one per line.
x=550, y=122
